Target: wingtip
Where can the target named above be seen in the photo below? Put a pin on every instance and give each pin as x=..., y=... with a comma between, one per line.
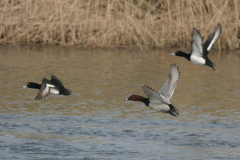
x=175, y=66
x=52, y=76
x=37, y=98
x=219, y=26
x=145, y=87
x=195, y=31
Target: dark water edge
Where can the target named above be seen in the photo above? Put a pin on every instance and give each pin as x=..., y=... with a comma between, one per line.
x=96, y=123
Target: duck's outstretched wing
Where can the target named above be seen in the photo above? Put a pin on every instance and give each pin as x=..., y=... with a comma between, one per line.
x=197, y=43
x=59, y=84
x=212, y=39
x=154, y=96
x=170, y=84
x=44, y=90
x=56, y=81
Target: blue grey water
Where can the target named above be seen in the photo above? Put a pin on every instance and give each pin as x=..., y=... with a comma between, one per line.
x=96, y=123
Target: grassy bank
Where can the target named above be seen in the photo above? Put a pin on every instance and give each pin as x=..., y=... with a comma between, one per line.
x=107, y=23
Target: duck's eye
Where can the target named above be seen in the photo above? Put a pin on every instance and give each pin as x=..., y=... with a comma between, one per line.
x=28, y=83
x=177, y=52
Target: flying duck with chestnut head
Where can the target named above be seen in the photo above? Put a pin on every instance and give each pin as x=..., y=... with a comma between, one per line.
x=200, y=51
x=160, y=101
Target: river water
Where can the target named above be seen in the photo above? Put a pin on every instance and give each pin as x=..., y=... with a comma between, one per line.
x=96, y=123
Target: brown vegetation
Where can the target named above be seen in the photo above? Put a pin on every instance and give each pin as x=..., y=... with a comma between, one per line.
x=105, y=23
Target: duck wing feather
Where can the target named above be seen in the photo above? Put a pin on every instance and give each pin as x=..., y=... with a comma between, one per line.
x=197, y=43
x=45, y=89
x=170, y=84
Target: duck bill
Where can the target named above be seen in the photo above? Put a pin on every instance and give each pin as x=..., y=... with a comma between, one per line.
x=24, y=86
x=129, y=98
x=173, y=54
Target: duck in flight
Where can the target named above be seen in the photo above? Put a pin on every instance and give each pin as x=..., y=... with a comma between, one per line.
x=160, y=101
x=199, y=53
x=53, y=86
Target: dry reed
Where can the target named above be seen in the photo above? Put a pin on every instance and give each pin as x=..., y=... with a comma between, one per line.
x=107, y=23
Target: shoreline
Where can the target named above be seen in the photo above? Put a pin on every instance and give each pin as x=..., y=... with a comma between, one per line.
x=114, y=24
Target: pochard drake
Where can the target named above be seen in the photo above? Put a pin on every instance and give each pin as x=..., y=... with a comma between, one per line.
x=160, y=101
x=53, y=86
x=199, y=53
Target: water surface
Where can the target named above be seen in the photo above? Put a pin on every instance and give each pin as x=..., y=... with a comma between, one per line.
x=96, y=123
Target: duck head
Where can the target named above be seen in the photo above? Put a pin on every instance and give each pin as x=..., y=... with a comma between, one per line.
x=32, y=85
x=182, y=54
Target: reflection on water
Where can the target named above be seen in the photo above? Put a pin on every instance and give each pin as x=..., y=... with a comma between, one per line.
x=96, y=123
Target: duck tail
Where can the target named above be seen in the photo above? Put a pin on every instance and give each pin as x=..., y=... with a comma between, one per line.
x=211, y=64
x=66, y=92
x=173, y=113
x=213, y=68
x=173, y=110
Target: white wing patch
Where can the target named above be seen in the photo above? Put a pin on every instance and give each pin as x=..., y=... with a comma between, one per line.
x=43, y=92
x=215, y=38
x=49, y=85
x=46, y=90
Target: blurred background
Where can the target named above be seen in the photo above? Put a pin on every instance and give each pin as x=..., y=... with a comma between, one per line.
x=111, y=23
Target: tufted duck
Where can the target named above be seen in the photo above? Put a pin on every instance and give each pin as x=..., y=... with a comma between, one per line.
x=53, y=86
x=199, y=53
